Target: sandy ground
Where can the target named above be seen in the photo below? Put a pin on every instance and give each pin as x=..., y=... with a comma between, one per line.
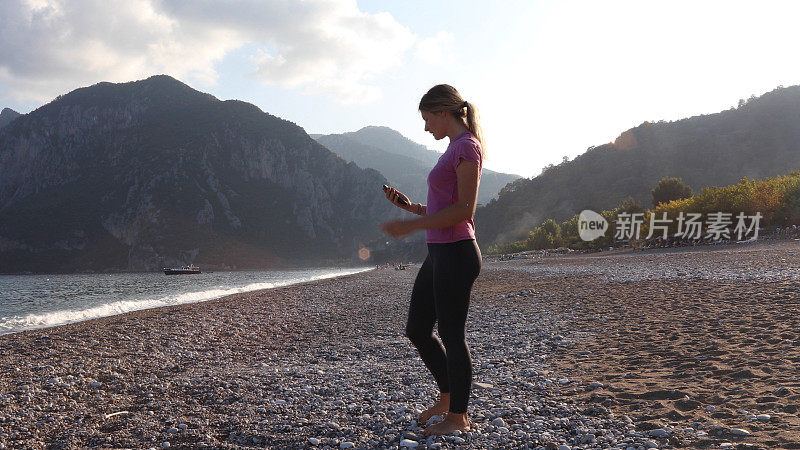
x=708, y=337
x=693, y=347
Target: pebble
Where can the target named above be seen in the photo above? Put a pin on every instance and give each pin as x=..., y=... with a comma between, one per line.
x=781, y=392
x=347, y=444
x=408, y=443
x=763, y=417
x=650, y=444
x=659, y=433
x=499, y=422
x=740, y=432
x=313, y=441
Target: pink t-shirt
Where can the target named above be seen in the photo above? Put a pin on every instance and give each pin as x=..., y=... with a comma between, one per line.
x=443, y=187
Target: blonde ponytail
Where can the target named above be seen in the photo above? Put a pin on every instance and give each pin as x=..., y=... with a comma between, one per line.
x=444, y=97
x=473, y=125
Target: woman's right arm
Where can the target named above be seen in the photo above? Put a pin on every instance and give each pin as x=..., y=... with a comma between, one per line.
x=415, y=208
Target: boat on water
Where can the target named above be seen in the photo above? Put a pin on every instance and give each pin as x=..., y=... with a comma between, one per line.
x=185, y=270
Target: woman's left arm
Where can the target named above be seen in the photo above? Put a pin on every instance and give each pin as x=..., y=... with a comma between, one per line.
x=467, y=176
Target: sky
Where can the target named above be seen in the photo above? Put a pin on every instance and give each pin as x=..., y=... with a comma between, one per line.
x=550, y=78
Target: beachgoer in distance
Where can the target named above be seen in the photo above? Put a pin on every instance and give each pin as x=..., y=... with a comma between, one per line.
x=442, y=288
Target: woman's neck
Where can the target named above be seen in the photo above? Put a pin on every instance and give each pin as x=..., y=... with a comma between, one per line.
x=455, y=129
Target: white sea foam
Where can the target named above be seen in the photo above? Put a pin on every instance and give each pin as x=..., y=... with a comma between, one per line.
x=14, y=324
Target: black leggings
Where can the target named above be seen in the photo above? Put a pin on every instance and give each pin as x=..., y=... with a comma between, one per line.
x=442, y=290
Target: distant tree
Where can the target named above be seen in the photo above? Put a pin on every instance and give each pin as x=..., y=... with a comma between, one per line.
x=547, y=235
x=565, y=160
x=669, y=189
x=551, y=227
x=630, y=206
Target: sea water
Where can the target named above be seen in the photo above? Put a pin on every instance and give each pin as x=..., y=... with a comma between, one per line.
x=38, y=301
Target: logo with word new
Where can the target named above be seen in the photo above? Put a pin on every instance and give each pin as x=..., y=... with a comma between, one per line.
x=591, y=225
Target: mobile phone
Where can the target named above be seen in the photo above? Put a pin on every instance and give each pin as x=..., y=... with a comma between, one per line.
x=400, y=200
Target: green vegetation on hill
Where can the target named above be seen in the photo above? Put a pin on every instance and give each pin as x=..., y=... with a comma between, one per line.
x=777, y=200
x=758, y=139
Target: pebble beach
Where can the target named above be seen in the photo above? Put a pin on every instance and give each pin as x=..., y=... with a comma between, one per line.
x=695, y=347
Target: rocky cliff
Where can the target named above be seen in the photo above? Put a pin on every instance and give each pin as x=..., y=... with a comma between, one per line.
x=7, y=115
x=140, y=175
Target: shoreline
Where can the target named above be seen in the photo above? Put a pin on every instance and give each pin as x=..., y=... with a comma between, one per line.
x=168, y=308
x=176, y=298
x=549, y=258
x=560, y=357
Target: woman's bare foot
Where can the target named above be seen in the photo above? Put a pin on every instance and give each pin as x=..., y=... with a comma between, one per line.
x=450, y=423
x=441, y=407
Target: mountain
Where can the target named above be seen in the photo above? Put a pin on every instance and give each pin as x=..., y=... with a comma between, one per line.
x=7, y=115
x=760, y=138
x=392, y=141
x=402, y=161
x=152, y=173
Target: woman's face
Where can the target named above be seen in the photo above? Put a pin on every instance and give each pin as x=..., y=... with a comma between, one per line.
x=435, y=123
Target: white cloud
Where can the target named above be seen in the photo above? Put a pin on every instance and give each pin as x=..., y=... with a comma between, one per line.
x=438, y=49
x=342, y=52
x=51, y=46
x=320, y=46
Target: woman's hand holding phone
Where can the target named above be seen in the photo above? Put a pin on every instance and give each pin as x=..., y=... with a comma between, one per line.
x=396, y=197
x=397, y=228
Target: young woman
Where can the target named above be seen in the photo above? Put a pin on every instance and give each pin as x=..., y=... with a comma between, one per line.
x=443, y=284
